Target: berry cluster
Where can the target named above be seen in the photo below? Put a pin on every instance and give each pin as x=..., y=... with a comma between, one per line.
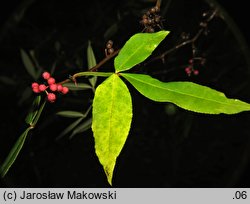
x=51, y=85
x=198, y=61
x=151, y=19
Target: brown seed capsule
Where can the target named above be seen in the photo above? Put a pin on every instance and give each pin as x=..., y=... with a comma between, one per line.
x=109, y=44
x=157, y=9
x=144, y=21
x=157, y=19
x=150, y=30
x=185, y=36
x=144, y=16
x=203, y=24
x=111, y=50
x=152, y=10
x=205, y=14
x=150, y=21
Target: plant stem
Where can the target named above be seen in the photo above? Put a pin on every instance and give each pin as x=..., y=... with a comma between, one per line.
x=189, y=41
x=93, y=69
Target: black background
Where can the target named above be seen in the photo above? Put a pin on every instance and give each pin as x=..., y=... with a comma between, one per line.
x=237, y=10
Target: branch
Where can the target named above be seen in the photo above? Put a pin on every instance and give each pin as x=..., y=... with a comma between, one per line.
x=93, y=69
x=203, y=24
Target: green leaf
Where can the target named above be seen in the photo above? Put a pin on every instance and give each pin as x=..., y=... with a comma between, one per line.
x=91, y=63
x=37, y=116
x=187, y=95
x=33, y=112
x=139, y=47
x=112, y=115
x=28, y=64
x=111, y=31
x=90, y=56
x=25, y=95
x=79, y=87
x=101, y=74
x=30, y=117
x=69, y=128
x=33, y=57
x=81, y=128
x=70, y=114
x=7, y=81
x=74, y=124
x=19, y=143
x=14, y=153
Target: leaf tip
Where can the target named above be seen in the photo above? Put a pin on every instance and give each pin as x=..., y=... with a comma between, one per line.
x=109, y=173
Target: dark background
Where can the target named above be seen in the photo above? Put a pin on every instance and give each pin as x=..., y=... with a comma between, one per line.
x=238, y=11
x=209, y=157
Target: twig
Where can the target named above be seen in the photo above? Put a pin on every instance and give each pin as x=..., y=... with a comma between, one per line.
x=93, y=69
x=189, y=41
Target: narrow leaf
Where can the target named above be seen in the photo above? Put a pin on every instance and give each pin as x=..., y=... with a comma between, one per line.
x=7, y=80
x=33, y=112
x=28, y=64
x=70, y=114
x=111, y=31
x=139, y=47
x=91, y=63
x=25, y=95
x=101, y=74
x=13, y=153
x=69, y=128
x=78, y=87
x=81, y=127
x=90, y=56
x=33, y=57
x=74, y=125
x=112, y=115
x=37, y=101
x=30, y=117
x=186, y=95
x=37, y=116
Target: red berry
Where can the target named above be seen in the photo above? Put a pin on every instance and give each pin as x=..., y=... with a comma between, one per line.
x=51, y=80
x=65, y=90
x=51, y=97
x=191, y=61
x=188, y=70
x=36, y=90
x=34, y=85
x=42, y=87
x=53, y=87
x=59, y=87
x=46, y=75
x=196, y=72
